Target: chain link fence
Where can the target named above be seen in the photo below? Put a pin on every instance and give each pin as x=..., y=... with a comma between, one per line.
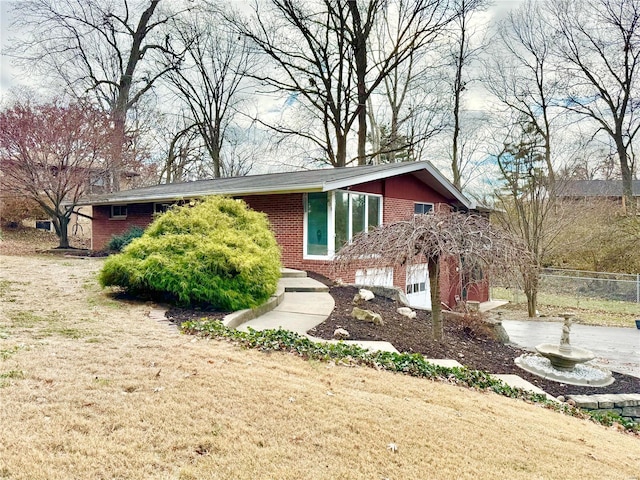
x=579, y=283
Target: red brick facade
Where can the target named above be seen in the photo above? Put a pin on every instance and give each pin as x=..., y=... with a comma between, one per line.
x=286, y=214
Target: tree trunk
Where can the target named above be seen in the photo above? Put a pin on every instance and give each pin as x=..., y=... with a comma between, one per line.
x=630, y=206
x=531, y=291
x=123, y=100
x=115, y=163
x=61, y=226
x=360, y=56
x=458, y=87
x=437, y=326
x=341, y=151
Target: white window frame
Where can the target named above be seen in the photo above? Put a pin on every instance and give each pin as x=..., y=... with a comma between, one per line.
x=433, y=206
x=331, y=216
x=330, y=230
x=120, y=216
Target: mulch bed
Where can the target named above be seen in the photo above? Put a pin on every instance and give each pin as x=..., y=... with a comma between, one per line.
x=466, y=341
x=179, y=315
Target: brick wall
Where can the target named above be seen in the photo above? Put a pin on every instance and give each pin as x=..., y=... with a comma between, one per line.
x=103, y=227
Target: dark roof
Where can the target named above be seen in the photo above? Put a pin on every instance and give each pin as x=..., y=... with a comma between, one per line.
x=597, y=188
x=322, y=180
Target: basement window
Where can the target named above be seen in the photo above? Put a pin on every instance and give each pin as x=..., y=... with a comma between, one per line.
x=118, y=212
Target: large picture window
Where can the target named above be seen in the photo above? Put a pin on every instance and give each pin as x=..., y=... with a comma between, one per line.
x=334, y=218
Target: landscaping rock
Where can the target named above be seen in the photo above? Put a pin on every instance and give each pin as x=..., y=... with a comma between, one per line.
x=366, y=316
x=365, y=294
x=392, y=293
x=340, y=334
x=407, y=312
x=499, y=333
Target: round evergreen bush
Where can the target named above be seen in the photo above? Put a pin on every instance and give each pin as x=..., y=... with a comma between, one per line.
x=213, y=252
x=118, y=242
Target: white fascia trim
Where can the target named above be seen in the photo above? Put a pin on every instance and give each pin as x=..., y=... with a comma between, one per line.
x=401, y=169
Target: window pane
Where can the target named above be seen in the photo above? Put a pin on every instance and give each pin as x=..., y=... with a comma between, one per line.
x=357, y=213
x=374, y=212
x=317, y=223
x=421, y=208
x=342, y=219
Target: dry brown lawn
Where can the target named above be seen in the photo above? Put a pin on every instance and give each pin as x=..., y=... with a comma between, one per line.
x=93, y=388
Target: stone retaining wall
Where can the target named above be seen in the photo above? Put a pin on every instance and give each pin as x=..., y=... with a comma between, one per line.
x=627, y=406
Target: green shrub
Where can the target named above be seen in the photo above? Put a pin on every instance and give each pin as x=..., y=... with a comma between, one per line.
x=216, y=252
x=118, y=242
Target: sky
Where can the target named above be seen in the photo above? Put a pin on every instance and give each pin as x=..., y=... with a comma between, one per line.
x=5, y=69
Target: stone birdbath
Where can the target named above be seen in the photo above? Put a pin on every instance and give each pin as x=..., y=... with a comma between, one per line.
x=564, y=356
x=565, y=363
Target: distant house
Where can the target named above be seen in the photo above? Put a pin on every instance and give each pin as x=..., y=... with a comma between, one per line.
x=313, y=213
x=598, y=189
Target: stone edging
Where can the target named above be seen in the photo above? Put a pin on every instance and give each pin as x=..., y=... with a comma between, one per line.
x=625, y=405
x=233, y=320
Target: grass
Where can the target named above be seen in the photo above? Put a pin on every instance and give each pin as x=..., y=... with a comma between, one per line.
x=590, y=311
x=146, y=402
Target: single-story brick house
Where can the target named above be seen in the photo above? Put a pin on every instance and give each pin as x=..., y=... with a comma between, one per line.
x=313, y=213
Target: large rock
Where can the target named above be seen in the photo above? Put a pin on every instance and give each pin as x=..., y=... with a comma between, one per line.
x=366, y=294
x=407, y=312
x=392, y=293
x=363, y=294
x=499, y=333
x=366, y=316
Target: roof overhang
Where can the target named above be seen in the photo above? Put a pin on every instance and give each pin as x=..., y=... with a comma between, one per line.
x=242, y=186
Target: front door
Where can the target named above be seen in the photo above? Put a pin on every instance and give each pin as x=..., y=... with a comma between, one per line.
x=418, y=291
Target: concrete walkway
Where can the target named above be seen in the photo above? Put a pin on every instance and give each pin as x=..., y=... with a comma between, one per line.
x=306, y=303
x=615, y=348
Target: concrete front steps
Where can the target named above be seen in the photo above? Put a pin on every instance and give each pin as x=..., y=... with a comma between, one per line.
x=298, y=281
x=514, y=381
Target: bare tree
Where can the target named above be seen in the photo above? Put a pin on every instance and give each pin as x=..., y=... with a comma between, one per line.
x=111, y=50
x=184, y=153
x=599, y=52
x=51, y=153
x=462, y=53
x=520, y=74
x=436, y=237
x=210, y=79
x=409, y=107
x=321, y=56
x=526, y=201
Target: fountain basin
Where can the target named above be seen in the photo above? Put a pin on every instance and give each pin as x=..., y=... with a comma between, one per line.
x=582, y=374
x=563, y=358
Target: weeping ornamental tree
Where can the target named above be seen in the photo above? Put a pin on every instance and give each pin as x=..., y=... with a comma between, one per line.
x=469, y=239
